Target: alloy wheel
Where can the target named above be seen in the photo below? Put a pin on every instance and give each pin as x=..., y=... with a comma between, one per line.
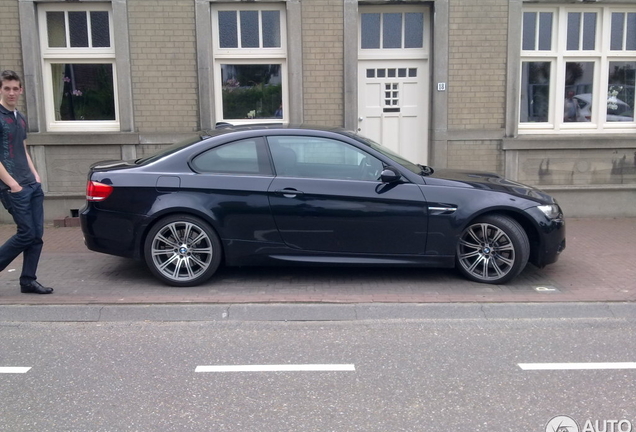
x=486, y=252
x=181, y=251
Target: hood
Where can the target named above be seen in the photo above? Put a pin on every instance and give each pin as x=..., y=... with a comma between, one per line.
x=486, y=181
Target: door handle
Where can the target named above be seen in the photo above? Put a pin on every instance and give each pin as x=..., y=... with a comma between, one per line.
x=289, y=193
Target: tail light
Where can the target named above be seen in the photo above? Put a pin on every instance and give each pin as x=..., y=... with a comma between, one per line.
x=96, y=191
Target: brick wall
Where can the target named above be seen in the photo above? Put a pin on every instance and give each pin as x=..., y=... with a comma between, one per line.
x=323, y=61
x=163, y=60
x=478, y=33
x=476, y=155
x=11, y=52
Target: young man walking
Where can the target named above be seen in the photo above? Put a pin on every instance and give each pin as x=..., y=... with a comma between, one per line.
x=20, y=188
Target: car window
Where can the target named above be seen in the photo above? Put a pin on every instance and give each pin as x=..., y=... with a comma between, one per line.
x=239, y=157
x=314, y=157
x=169, y=150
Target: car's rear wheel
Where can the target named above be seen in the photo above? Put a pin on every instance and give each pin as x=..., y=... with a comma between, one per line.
x=492, y=249
x=182, y=250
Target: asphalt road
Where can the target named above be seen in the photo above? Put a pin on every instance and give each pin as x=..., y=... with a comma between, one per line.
x=460, y=374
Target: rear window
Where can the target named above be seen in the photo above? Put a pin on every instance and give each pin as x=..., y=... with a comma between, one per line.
x=240, y=157
x=169, y=150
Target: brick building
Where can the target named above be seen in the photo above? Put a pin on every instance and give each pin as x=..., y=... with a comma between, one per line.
x=471, y=84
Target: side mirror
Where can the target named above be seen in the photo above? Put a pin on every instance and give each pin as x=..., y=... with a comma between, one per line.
x=390, y=175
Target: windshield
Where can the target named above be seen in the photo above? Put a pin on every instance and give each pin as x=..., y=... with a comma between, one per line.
x=169, y=150
x=417, y=169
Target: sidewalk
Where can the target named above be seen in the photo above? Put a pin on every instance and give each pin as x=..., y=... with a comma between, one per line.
x=598, y=265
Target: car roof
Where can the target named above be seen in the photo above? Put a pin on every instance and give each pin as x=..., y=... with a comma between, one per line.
x=223, y=128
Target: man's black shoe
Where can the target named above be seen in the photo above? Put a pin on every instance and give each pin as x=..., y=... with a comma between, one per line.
x=35, y=288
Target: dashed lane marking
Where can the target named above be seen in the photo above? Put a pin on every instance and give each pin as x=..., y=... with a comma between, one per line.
x=279, y=368
x=14, y=370
x=577, y=366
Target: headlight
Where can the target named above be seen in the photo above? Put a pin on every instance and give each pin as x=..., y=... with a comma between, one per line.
x=552, y=211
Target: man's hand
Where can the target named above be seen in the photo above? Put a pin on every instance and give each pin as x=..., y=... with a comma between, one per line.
x=16, y=188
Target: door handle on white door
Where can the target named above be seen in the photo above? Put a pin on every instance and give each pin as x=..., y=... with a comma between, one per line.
x=360, y=119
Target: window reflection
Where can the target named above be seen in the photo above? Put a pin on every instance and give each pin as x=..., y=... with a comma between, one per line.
x=579, y=87
x=252, y=91
x=83, y=92
x=535, y=92
x=620, y=91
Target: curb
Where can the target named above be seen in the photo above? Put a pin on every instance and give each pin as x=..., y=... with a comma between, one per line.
x=315, y=312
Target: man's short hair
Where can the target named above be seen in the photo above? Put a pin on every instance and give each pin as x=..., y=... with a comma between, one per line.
x=9, y=75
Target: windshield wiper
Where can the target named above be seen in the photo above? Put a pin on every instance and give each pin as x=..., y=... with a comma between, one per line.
x=425, y=170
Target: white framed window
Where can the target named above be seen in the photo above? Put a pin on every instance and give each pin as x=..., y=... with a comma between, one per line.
x=250, y=63
x=78, y=67
x=578, y=69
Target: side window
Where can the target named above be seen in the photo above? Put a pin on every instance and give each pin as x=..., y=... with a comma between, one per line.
x=239, y=157
x=313, y=157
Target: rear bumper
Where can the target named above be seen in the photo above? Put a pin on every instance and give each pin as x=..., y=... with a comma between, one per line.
x=120, y=238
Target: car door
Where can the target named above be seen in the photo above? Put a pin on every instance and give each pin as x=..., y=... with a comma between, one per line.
x=230, y=182
x=327, y=197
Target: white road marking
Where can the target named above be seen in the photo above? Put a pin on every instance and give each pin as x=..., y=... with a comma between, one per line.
x=278, y=368
x=14, y=370
x=576, y=366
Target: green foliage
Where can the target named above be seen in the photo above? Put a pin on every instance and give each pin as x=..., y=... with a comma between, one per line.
x=238, y=102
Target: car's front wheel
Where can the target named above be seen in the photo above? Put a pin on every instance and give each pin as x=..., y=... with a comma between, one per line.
x=492, y=249
x=182, y=250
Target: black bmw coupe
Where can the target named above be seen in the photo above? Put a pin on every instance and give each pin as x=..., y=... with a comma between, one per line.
x=296, y=195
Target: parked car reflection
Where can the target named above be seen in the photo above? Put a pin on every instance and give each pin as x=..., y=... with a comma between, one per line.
x=617, y=110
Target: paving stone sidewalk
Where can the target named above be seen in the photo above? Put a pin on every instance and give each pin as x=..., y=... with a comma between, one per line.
x=598, y=265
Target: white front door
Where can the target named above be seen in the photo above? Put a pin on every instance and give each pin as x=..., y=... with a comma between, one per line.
x=393, y=78
x=393, y=107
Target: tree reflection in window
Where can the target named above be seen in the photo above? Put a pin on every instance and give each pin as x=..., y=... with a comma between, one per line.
x=251, y=91
x=83, y=92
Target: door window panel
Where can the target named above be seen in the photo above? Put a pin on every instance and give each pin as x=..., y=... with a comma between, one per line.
x=413, y=30
x=392, y=30
x=321, y=158
x=370, y=37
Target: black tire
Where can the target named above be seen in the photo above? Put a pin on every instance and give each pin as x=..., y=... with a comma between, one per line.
x=182, y=250
x=492, y=249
